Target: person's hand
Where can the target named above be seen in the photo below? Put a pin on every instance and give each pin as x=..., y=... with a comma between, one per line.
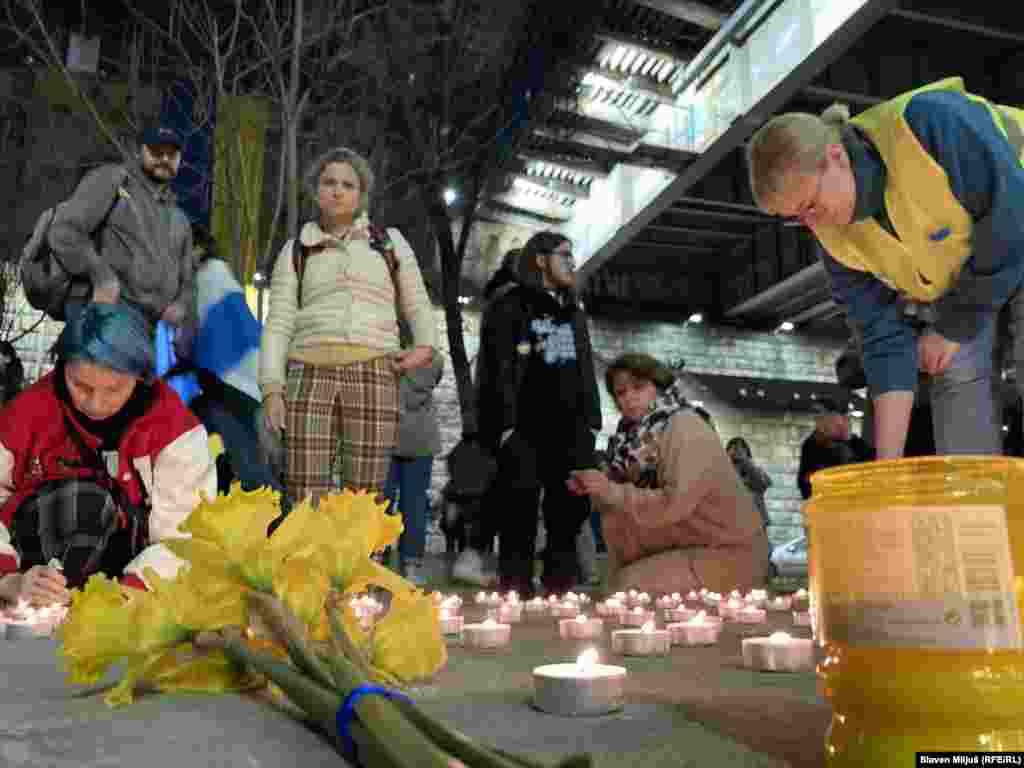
x=41, y=585
x=417, y=357
x=106, y=293
x=174, y=314
x=935, y=352
x=273, y=412
x=588, y=482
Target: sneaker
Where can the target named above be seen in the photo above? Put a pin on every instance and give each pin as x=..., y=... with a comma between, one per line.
x=414, y=571
x=469, y=568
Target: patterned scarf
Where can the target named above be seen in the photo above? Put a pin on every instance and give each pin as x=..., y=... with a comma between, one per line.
x=633, y=449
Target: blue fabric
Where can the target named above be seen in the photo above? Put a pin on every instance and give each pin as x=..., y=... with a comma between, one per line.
x=347, y=713
x=407, y=485
x=116, y=336
x=987, y=179
x=219, y=351
x=186, y=385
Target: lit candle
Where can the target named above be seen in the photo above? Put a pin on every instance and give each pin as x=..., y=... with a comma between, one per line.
x=646, y=641
x=451, y=604
x=610, y=607
x=750, y=615
x=711, y=599
x=580, y=628
x=735, y=595
x=801, y=618
x=508, y=613
x=728, y=609
x=780, y=603
x=437, y=597
x=583, y=599
x=512, y=597
x=566, y=610
x=693, y=598
x=700, y=630
x=756, y=598
x=622, y=597
x=778, y=653
x=637, y=617
x=679, y=614
x=571, y=596
x=585, y=688
x=486, y=635
x=451, y=624
x=667, y=602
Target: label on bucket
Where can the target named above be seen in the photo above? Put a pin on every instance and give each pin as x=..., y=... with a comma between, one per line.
x=933, y=576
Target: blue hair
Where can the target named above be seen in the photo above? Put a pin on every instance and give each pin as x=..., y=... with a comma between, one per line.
x=116, y=336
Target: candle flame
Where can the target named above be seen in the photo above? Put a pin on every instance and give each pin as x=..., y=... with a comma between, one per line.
x=638, y=610
x=587, y=660
x=779, y=637
x=676, y=596
x=489, y=622
x=495, y=596
x=691, y=595
x=643, y=596
x=481, y=596
x=537, y=601
x=704, y=591
x=619, y=596
x=647, y=627
x=571, y=596
x=581, y=618
x=513, y=597
x=553, y=599
x=801, y=592
x=699, y=618
x=445, y=614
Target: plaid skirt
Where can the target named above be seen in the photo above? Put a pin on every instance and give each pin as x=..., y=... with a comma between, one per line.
x=77, y=522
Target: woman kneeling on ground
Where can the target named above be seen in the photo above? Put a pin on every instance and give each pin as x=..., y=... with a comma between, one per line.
x=98, y=464
x=674, y=514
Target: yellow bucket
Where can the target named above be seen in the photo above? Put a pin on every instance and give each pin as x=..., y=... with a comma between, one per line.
x=917, y=582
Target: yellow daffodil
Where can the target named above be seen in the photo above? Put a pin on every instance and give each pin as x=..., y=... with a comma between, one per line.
x=234, y=522
x=357, y=527
x=101, y=628
x=302, y=585
x=406, y=643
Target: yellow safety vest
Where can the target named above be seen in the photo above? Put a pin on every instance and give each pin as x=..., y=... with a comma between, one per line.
x=933, y=228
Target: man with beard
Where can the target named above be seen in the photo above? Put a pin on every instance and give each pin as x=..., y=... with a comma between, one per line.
x=123, y=231
x=538, y=408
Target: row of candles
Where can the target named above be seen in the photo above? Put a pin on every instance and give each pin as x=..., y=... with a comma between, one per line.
x=588, y=687
x=22, y=621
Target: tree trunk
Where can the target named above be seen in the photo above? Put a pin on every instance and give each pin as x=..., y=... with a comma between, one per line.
x=451, y=278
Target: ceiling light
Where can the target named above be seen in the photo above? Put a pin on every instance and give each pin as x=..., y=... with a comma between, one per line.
x=696, y=317
x=697, y=403
x=857, y=414
x=786, y=326
x=450, y=196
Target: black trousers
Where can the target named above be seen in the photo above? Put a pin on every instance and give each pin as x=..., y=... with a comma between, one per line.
x=528, y=464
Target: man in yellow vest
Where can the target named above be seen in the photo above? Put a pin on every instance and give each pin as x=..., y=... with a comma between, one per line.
x=918, y=204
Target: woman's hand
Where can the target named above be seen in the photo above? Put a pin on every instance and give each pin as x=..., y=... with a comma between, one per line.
x=417, y=357
x=273, y=412
x=935, y=352
x=588, y=482
x=40, y=585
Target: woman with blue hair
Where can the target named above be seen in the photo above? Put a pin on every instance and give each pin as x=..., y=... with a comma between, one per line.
x=99, y=462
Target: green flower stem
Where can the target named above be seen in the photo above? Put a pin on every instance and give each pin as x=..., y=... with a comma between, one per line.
x=581, y=760
x=291, y=633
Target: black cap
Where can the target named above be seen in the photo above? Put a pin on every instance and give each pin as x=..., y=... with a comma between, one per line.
x=160, y=134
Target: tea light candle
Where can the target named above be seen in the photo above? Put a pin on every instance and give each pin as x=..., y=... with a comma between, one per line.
x=728, y=610
x=585, y=688
x=780, y=603
x=801, y=618
x=632, y=597
x=712, y=599
x=756, y=598
x=643, y=599
x=801, y=600
x=778, y=653
x=636, y=617
x=750, y=615
x=566, y=610
x=679, y=614
x=700, y=630
x=452, y=605
x=437, y=597
x=536, y=608
x=667, y=602
x=571, y=597
x=488, y=600
x=451, y=624
x=507, y=613
x=646, y=641
x=622, y=597
x=580, y=628
x=486, y=635
x=610, y=607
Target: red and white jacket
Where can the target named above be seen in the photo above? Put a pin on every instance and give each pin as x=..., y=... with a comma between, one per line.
x=167, y=445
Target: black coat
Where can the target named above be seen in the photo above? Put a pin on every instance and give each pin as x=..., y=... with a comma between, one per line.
x=504, y=360
x=815, y=455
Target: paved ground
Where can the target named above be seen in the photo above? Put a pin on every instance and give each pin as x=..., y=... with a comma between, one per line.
x=697, y=707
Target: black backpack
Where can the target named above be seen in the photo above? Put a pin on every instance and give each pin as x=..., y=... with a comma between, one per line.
x=48, y=285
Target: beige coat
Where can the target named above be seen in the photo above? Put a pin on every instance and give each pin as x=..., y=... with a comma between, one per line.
x=699, y=528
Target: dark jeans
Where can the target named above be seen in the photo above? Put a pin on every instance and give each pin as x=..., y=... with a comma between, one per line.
x=512, y=507
x=241, y=444
x=407, y=485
